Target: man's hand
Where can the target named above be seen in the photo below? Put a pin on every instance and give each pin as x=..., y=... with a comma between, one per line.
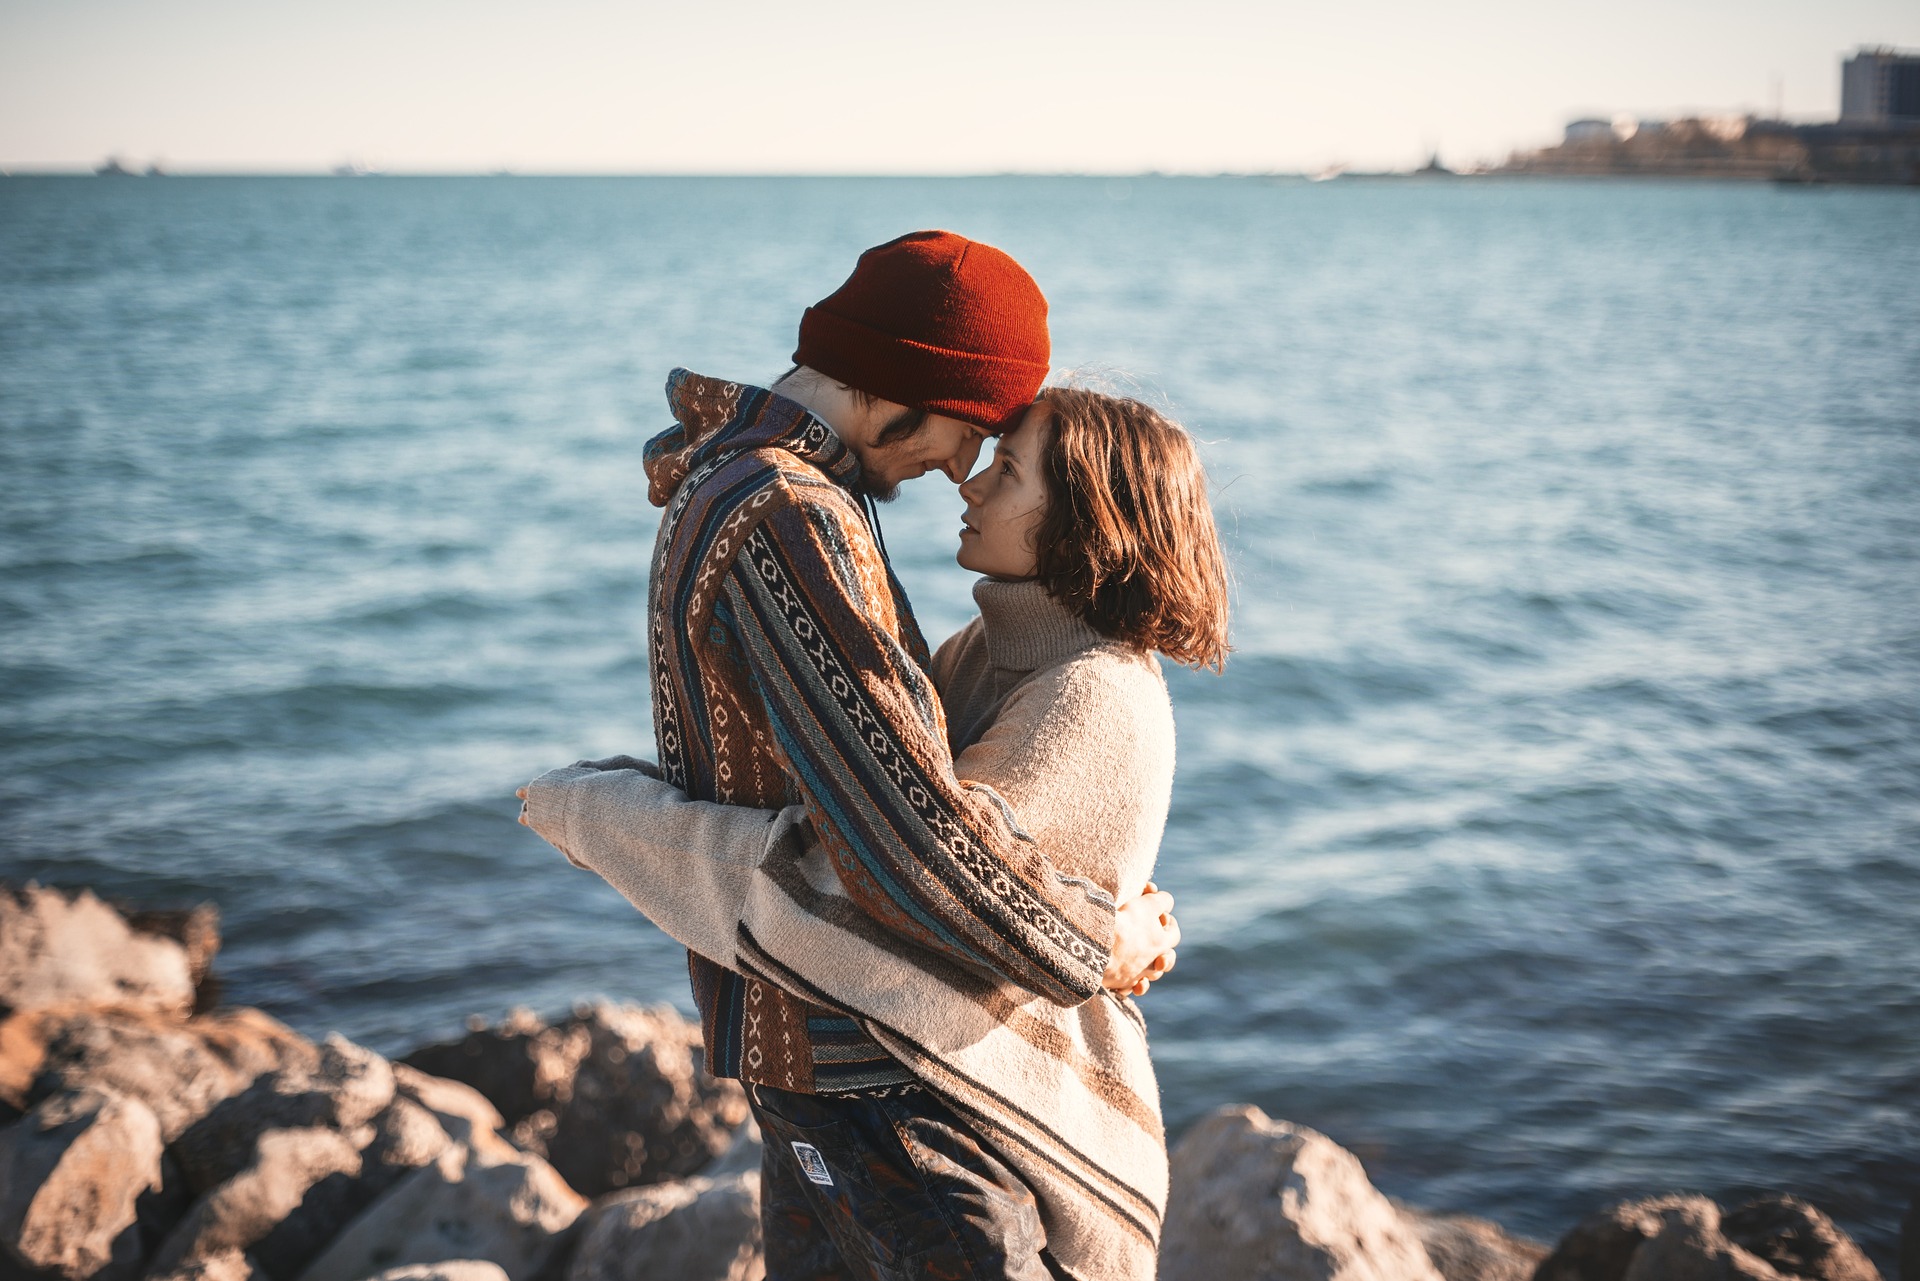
x=1144, y=937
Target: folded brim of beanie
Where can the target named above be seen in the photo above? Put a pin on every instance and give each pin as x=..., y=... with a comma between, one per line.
x=991, y=392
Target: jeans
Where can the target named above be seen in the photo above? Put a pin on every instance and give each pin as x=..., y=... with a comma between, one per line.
x=895, y=1188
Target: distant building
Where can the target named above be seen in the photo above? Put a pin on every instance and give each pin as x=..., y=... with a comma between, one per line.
x=1880, y=87
x=1589, y=130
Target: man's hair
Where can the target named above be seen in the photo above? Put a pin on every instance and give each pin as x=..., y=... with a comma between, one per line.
x=904, y=426
x=1127, y=542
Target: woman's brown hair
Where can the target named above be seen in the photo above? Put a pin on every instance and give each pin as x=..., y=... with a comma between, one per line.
x=1127, y=541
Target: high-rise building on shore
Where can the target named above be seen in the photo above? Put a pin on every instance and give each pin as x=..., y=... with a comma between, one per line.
x=1880, y=87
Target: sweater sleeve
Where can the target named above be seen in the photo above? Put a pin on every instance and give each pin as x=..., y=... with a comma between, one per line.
x=941, y=863
x=686, y=864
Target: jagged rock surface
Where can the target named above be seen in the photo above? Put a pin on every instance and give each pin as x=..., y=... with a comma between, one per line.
x=227, y=1265
x=142, y=1054
x=197, y=930
x=405, y=1137
x=260, y=1199
x=1686, y=1238
x=452, y=1270
x=1262, y=1200
x=613, y=1096
x=346, y=1087
x=1798, y=1240
x=1464, y=1248
x=58, y=947
x=512, y=1213
x=696, y=1229
x=73, y=1173
x=462, y=1111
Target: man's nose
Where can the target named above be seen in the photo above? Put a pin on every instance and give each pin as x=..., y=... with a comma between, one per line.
x=960, y=466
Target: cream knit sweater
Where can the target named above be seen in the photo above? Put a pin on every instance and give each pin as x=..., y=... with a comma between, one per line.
x=1075, y=734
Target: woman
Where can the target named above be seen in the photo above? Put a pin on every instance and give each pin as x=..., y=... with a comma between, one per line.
x=1097, y=546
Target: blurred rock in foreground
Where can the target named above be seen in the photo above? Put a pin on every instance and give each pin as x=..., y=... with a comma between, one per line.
x=143, y=1135
x=1679, y=1238
x=613, y=1096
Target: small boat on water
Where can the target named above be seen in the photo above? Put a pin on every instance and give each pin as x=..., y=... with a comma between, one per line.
x=112, y=168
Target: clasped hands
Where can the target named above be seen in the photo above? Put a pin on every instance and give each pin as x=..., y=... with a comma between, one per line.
x=1145, y=935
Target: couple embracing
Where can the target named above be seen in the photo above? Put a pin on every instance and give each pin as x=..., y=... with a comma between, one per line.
x=915, y=888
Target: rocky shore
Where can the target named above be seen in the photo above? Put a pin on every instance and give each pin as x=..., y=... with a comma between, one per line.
x=147, y=1131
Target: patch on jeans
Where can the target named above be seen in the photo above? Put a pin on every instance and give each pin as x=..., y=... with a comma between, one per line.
x=812, y=1164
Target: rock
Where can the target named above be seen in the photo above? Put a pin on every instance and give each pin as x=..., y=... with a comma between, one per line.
x=1798, y=1240
x=405, y=1137
x=641, y=1109
x=1464, y=1248
x=197, y=930
x=73, y=1171
x=612, y=1096
x=742, y=1155
x=694, y=1229
x=235, y=1047
x=1679, y=1238
x=519, y=1066
x=1689, y=1246
x=345, y=1088
x=142, y=1054
x=57, y=947
x=1262, y=1200
x=462, y=1111
x=275, y=1186
x=461, y=1207
x=252, y=1043
x=452, y=1270
x=227, y=1265
x=1601, y=1246
x=23, y=1052
x=161, y=1209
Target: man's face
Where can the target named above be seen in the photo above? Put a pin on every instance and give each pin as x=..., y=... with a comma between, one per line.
x=942, y=444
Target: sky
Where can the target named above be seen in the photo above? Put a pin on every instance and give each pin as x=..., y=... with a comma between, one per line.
x=887, y=86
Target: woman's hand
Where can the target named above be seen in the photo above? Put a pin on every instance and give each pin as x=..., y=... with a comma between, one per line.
x=1144, y=937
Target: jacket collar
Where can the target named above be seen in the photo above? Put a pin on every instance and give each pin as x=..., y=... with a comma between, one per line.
x=713, y=418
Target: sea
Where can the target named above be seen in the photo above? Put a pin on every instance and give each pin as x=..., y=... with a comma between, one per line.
x=1551, y=837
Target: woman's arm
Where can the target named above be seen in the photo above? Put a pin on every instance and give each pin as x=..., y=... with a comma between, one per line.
x=686, y=864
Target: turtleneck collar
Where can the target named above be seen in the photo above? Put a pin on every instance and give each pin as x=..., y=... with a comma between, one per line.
x=1026, y=629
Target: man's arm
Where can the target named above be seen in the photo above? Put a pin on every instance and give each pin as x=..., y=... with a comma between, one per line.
x=855, y=719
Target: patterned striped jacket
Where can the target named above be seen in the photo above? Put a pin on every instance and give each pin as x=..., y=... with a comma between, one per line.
x=787, y=668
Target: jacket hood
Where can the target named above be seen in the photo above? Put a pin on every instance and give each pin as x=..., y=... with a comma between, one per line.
x=713, y=418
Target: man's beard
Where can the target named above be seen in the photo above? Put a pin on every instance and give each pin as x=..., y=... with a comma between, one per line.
x=865, y=487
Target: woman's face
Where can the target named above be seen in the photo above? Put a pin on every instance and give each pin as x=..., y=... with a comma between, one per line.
x=1006, y=500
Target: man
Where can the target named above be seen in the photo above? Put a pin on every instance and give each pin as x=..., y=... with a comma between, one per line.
x=787, y=669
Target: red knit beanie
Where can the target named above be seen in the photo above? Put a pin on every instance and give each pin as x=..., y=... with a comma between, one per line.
x=938, y=322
